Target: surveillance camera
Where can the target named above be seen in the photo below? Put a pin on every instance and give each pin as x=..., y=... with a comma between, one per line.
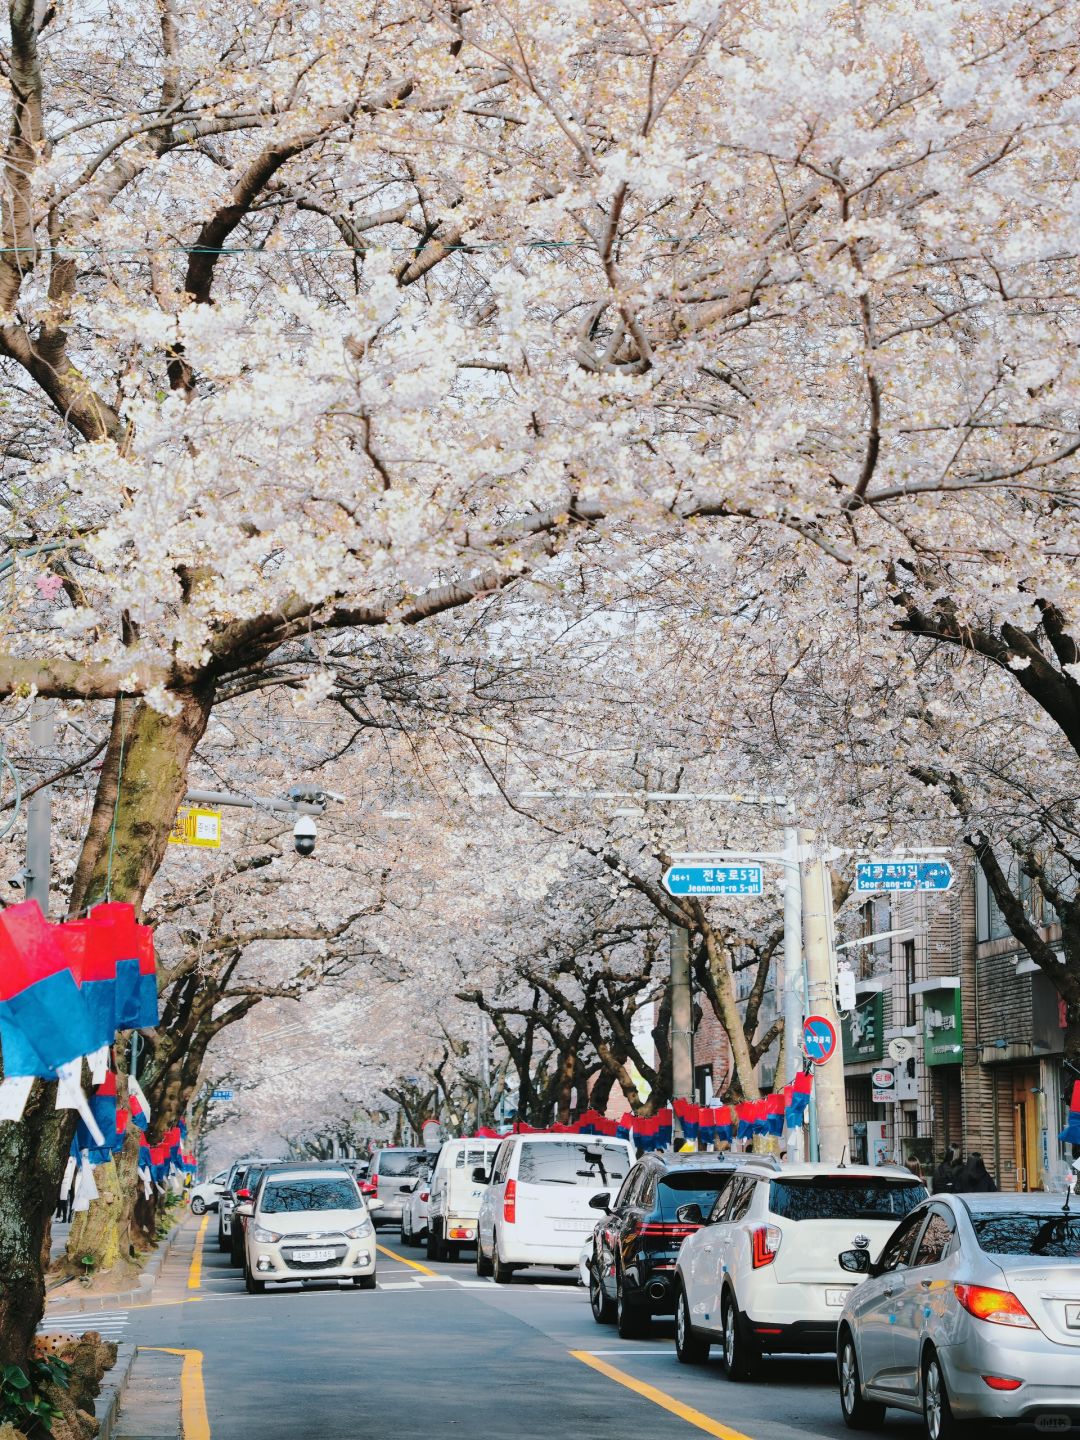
x=19, y=879
x=304, y=835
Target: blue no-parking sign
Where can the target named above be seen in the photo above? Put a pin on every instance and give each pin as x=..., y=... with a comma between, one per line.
x=819, y=1038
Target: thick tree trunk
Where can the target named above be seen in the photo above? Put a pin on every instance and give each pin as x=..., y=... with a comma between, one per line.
x=142, y=782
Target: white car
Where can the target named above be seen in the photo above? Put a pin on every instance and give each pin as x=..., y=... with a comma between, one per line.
x=538, y=1208
x=414, y=1210
x=207, y=1195
x=308, y=1224
x=763, y=1274
x=456, y=1195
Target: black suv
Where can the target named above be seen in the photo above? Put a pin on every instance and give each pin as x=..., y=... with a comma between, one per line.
x=664, y=1198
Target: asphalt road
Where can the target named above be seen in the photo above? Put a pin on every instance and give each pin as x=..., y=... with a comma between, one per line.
x=435, y=1351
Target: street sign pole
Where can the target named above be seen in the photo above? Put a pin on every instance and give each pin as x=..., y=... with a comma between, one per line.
x=682, y=1016
x=828, y=1110
x=794, y=981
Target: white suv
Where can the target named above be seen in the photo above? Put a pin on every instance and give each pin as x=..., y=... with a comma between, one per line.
x=763, y=1275
x=538, y=1208
x=455, y=1195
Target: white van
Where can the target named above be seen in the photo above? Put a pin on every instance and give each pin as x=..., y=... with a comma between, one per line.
x=537, y=1209
x=454, y=1196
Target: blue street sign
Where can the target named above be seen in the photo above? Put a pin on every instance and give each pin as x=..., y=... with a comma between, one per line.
x=932, y=875
x=819, y=1038
x=714, y=880
x=222, y=1095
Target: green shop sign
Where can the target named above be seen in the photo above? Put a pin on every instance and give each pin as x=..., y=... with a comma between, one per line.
x=942, y=1027
x=864, y=1030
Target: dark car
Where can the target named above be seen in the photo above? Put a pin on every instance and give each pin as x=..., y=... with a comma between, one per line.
x=244, y=1183
x=227, y=1201
x=664, y=1198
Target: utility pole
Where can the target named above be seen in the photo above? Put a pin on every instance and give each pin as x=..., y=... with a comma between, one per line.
x=39, y=808
x=794, y=997
x=682, y=1016
x=830, y=1100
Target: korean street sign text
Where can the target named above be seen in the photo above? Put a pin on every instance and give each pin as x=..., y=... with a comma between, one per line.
x=714, y=880
x=195, y=826
x=819, y=1038
x=222, y=1095
x=873, y=875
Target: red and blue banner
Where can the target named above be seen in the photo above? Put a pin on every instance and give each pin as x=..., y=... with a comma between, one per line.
x=45, y=1021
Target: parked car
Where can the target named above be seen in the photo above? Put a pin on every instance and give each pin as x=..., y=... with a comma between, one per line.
x=536, y=1210
x=308, y=1223
x=456, y=1193
x=389, y=1175
x=414, y=1210
x=663, y=1200
x=246, y=1186
x=227, y=1199
x=206, y=1195
x=763, y=1274
x=970, y=1312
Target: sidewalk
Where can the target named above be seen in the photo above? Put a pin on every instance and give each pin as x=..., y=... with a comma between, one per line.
x=73, y=1303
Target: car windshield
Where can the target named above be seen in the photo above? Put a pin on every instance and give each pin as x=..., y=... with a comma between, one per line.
x=572, y=1162
x=689, y=1188
x=284, y=1196
x=836, y=1197
x=1057, y=1236
x=400, y=1163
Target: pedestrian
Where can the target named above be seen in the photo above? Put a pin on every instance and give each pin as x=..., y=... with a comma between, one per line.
x=944, y=1177
x=974, y=1178
x=915, y=1168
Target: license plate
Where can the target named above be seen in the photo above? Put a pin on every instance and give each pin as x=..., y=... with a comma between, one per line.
x=1072, y=1316
x=836, y=1297
x=576, y=1225
x=313, y=1255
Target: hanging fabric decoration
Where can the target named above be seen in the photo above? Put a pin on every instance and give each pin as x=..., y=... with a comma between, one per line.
x=687, y=1112
x=724, y=1122
x=1071, y=1134
x=117, y=942
x=774, y=1115
x=44, y=1018
x=799, y=1103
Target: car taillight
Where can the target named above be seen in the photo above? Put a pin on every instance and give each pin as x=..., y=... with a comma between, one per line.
x=668, y=1228
x=764, y=1243
x=510, y=1202
x=998, y=1307
x=423, y=1194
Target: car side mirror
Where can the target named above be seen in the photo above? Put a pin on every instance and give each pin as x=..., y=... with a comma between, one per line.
x=373, y=1202
x=601, y=1202
x=857, y=1262
x=245, y=1209
x=689, y=1215
x=243, y=1194
x=480, y=1176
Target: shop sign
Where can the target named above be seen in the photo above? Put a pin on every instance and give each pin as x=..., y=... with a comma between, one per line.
x=864, y=1029
x=942, y=1028
x=884, y=1087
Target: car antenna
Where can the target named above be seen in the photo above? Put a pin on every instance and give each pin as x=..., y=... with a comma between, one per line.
x=843, y=1157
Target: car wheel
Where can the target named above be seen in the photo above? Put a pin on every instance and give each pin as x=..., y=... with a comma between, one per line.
x=859, y=1413
x=432, y=1244
x=236, y=1253
x=691, y=1347
x=603, y=1311
x=365, y=1282
x=633, y=1321
x=501, y=1271
x=406, y=1233
x=253, y=1286
x=222, y=1242
x=483, y=1264
x=198, y=1205
x=740, y=1359
x=939, y=1422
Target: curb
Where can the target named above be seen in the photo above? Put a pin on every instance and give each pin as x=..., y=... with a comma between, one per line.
x=107, y=1404
x=65, y=1306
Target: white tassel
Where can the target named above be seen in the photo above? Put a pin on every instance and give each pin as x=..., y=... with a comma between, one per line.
x=14, y=1093
x=134, y=1088
x=69, y=1178
x=85, y=1185
x=98, y=1060
x=70, y=1096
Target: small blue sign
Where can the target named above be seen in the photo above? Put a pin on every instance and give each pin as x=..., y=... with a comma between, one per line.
x=222, y=1095
x=714, y=880
x=928, y=875
x=819, y=1038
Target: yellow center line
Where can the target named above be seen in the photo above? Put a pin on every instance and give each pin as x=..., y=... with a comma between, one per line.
x=194, y=1422
x=194, y=1279
x=661, y=1398
x=412, y=1264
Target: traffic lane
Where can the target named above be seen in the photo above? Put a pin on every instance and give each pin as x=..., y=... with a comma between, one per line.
x=343, y=1364
x=796, y=1394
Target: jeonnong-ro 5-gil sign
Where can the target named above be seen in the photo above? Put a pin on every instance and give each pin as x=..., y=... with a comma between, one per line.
x=714, y=880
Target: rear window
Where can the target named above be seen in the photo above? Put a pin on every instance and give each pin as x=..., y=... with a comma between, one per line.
x=473, y=1158
x=692, y=1188
x=281, y=1197
x=832, y=1197
x=1055, y=1236
x=572, y=1162
x=401, y=1163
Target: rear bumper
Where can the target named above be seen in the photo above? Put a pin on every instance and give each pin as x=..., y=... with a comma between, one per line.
x=549, y=1251
x=460, y=1229
x=798, y=1337
x=1049, y=1378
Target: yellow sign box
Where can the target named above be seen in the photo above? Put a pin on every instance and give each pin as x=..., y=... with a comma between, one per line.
x=195, y=826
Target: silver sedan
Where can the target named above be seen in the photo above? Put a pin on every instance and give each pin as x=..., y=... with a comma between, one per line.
x=971, y=1311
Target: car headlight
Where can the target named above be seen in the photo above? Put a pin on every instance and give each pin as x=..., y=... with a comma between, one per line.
x=265, y=1237
x=361, y=1231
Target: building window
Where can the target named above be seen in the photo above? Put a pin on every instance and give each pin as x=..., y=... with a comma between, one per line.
x=909, y=979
